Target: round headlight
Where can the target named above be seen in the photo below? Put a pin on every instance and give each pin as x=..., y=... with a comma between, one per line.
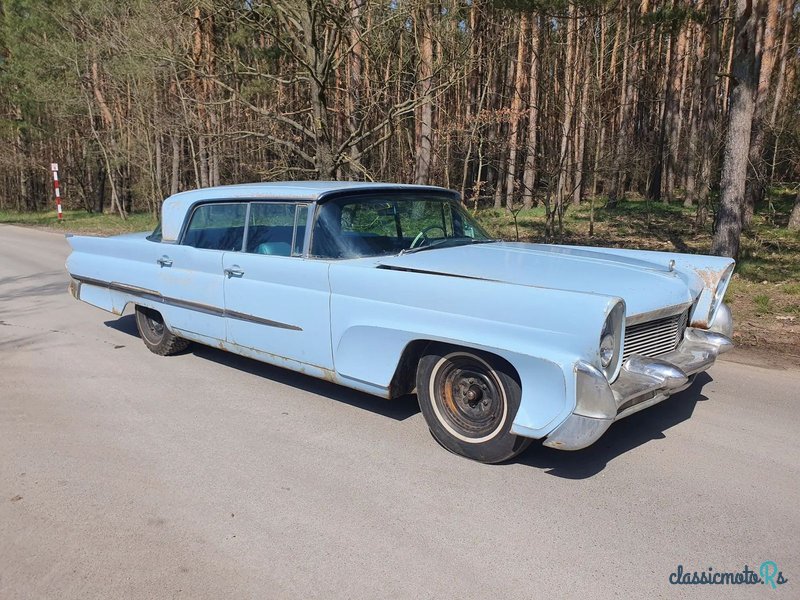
x=606, y=350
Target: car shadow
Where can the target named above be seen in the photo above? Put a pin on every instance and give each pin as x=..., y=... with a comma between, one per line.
x=627, y=434
x=623, y=436
x=398, y=409
x=126, y=324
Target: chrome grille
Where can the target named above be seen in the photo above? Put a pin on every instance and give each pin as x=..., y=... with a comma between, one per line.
x=655, y=337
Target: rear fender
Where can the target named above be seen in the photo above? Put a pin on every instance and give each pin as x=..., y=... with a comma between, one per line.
x=95, y=263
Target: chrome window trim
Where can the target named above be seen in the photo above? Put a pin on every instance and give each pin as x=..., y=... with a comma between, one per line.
x=187, y=221
x=298, y=204
x=448, y=196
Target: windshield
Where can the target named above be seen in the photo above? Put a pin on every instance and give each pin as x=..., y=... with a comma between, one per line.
x=353, y=227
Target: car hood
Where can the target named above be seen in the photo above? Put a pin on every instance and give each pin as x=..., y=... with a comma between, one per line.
x=645, y=286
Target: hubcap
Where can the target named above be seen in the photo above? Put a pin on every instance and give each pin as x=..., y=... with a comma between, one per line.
x=468, y=397
x=153, y=328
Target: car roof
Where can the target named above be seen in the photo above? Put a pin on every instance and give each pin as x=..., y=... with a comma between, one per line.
x=291, y=190
x=178, y=205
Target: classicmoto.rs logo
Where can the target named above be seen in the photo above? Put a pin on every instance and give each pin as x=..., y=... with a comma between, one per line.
x=767, y=574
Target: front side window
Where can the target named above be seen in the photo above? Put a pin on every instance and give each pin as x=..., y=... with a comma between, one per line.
x=156, y=235
x=217, y=226
x=380, y=225
x=276, y=229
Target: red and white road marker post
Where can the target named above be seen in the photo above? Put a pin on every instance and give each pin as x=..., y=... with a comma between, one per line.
x=54, y=169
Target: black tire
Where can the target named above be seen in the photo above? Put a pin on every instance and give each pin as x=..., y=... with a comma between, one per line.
x=469, y=400
x=155, y=335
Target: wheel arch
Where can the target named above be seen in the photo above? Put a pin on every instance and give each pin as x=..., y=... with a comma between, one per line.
x=404, y=379
x=383, y=361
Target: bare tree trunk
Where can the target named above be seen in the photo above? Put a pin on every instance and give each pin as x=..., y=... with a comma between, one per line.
x=756, y=181
x=355, y=66
x=784, y=56
x=529, y=179
x=203, y=161
x=516, y=112
x=424, y=85
x=617, y=190
x=580, y=145
x=695, y=113
x=176, y=165
x=794, y=218
x=672, y=116
x=708, y=118
x=737, y=141
x=569, y=108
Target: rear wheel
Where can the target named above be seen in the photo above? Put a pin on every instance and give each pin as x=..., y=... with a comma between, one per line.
x=155, y=335
x=469, y=400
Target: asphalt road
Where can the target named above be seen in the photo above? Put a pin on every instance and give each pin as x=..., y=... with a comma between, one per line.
x=128, y=475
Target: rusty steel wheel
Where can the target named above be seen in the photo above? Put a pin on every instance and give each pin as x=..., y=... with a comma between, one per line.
x=155, y=335
x=469, y=399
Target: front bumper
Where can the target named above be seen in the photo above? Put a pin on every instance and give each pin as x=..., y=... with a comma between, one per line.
x=642, y=382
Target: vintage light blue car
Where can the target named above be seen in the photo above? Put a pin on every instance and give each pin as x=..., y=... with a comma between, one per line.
x=392, y=289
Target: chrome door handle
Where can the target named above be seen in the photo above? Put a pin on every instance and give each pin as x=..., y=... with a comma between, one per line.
x=165, y=261
x=234, y=271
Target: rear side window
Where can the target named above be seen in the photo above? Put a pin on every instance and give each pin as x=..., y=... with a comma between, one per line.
x=217, y=227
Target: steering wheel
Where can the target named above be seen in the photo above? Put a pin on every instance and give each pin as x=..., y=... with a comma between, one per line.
x=422, y=236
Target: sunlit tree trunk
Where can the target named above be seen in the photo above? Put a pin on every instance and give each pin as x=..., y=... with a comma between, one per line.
x=529, y=179
x=424, y=128
x=756, y=181
x=516, y=112
x=737, y=141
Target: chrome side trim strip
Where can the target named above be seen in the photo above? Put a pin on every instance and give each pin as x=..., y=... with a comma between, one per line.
x=188, y=304
x=232, y=314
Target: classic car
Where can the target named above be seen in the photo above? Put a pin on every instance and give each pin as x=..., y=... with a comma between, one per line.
x=396, y=289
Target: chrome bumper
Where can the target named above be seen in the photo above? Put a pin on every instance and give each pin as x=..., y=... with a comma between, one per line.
x=642, y=382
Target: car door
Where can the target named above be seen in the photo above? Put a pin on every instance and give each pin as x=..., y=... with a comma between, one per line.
x=190, y=274
x=276, y=301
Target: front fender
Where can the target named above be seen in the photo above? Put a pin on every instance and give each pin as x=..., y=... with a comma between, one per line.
x=707, y=278
x=542, y=333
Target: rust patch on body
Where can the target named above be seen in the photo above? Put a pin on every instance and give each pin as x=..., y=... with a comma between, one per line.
x=709, y=277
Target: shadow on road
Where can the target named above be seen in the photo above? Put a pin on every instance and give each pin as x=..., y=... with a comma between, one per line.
x=634, y=431
x=625, y=435
x=398, y=409
x=126, y=324
x=29, y=286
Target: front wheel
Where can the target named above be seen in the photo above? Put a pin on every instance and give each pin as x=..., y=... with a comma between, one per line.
x=155, y=335
x=469, y=400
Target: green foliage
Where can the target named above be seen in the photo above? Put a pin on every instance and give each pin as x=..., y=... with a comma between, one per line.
x=79, y=221
x=763, y=304
x=792, y=289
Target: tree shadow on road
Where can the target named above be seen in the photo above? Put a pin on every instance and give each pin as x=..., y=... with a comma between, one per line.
x=31, y=286
x=623, y=436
